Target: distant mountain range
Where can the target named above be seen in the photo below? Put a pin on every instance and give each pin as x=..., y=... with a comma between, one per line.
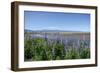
x=26, y=30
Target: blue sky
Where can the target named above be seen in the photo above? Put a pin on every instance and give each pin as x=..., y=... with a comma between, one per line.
x=39, y=20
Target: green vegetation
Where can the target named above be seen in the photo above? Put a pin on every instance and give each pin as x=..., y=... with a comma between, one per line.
x=39, y=49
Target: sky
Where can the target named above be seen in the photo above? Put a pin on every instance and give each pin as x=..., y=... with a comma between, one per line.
x=39, y=20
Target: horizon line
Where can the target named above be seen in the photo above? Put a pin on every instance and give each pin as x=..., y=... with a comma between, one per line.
x=55, y=30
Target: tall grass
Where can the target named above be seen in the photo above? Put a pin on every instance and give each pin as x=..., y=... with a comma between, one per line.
x=38, y=49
